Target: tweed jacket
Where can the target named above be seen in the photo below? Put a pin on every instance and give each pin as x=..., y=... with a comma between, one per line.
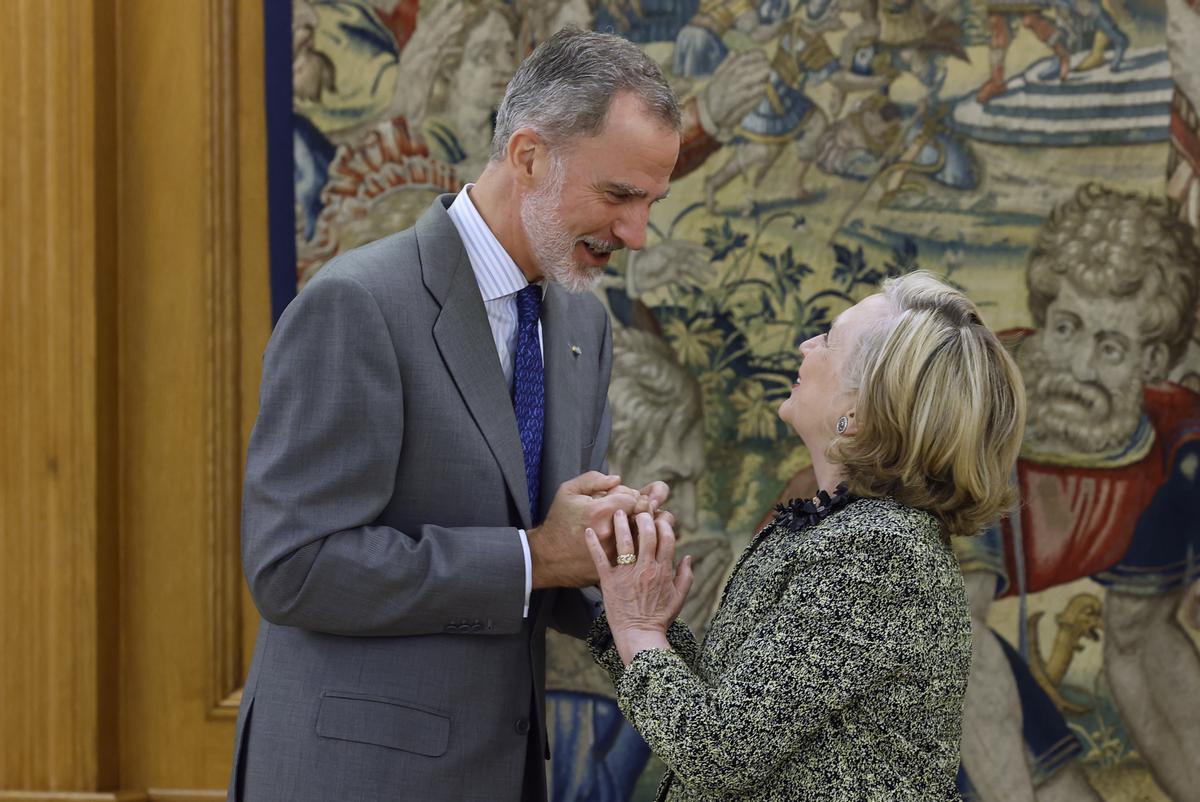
x=834, y=668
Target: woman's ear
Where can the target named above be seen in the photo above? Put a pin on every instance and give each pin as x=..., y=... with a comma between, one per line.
x=852, y=425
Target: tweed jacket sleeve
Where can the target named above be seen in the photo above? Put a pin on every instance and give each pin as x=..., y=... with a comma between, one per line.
x=604, y=651
x=825, y=643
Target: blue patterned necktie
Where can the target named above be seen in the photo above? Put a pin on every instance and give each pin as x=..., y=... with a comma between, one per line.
x=529, y=392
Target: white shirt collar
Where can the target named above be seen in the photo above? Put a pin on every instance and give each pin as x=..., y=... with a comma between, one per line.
x=495, y=271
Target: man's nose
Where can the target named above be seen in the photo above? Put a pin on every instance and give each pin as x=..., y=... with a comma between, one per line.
x=630, y=226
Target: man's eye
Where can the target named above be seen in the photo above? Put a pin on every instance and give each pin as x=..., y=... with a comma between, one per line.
x=1064, y=329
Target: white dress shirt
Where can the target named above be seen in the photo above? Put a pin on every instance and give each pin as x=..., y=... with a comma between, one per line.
x=499, y=281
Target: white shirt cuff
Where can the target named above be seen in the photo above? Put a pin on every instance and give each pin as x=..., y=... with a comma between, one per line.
x=528, y=570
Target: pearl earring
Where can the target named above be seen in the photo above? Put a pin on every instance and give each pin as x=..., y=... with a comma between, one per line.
x=843, y=424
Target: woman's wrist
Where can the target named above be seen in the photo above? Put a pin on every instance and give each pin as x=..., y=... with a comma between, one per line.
x=631, y=641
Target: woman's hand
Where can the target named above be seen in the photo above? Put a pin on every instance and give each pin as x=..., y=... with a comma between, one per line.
x=643, y=598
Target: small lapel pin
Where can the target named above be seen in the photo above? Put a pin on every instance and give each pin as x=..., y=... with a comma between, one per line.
x=575, y=350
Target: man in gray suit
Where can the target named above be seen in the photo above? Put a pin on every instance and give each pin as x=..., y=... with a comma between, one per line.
x=430, y=448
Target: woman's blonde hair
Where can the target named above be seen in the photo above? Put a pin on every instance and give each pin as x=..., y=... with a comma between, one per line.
x=940, y=408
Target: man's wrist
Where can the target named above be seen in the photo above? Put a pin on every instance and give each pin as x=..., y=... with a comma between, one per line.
x=537, y=558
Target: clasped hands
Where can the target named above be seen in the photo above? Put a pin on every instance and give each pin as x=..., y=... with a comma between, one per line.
x=589, y=524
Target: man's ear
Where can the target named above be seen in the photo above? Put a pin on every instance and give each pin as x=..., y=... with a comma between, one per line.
x=525, y=150
x=1154, y=363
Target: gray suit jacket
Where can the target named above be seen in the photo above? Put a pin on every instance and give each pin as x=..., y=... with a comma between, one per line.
x=384, y=485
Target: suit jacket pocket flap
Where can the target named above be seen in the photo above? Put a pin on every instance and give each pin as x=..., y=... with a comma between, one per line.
x=378, y=720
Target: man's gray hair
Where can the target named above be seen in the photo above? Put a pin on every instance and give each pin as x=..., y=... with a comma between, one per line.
x=563, y=90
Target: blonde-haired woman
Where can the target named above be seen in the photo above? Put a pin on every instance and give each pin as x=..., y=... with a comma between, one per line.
x=836, y=663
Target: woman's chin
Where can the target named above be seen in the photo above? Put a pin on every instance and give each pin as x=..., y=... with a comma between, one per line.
x=791, y=414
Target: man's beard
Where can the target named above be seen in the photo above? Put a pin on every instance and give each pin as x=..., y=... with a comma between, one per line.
x=552, y=245
x=1084, y=416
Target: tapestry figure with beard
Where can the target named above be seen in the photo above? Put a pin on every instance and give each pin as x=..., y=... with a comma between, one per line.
x=1107, y=482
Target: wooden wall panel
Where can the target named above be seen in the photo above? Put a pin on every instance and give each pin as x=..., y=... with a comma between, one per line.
x=57, y=494
x=163, y=340
x=133, y=313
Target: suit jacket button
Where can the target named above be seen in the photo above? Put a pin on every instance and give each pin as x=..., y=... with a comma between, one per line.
x=522, y=726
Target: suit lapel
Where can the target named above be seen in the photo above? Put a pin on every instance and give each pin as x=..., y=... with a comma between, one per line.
x=561, y=442
x=464, y=340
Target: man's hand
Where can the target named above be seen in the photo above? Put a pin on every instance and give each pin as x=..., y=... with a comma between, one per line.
x=649, y=499
x=557, y=549
x=657, y=494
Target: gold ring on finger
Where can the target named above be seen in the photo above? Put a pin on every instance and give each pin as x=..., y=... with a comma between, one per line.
x=626, y=559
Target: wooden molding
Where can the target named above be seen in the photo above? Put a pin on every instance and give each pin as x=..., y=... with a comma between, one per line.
x=74, y=796
x=151, y=795
x=223, y=392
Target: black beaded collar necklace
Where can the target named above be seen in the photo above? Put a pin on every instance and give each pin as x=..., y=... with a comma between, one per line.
x=801, y=512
